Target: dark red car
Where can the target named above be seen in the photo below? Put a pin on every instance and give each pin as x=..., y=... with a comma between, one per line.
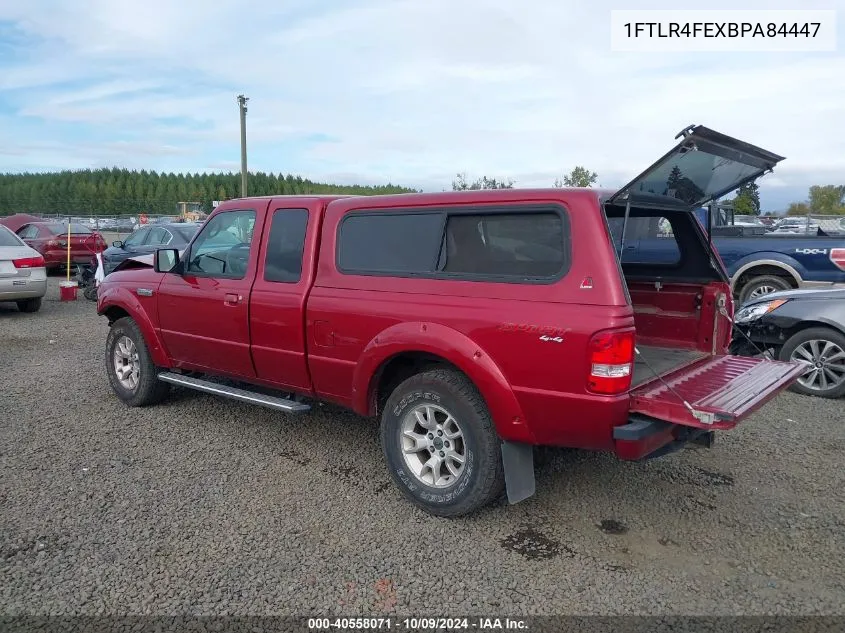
x=476, y=325
x=51, y=240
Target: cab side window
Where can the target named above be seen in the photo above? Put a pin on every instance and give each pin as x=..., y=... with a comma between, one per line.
x=222, y=247
x=286, y=245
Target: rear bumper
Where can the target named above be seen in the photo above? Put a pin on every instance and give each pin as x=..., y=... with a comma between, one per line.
x=32, y=289
x=647, y=438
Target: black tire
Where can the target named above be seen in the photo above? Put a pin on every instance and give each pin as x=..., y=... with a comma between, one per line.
x=804, y=336
x=482, y=479
x=149, y=389
x=90, y=293
x=764, y=281
x=29, y=305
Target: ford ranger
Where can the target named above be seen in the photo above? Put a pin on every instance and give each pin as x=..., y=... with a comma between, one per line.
x=475, y=325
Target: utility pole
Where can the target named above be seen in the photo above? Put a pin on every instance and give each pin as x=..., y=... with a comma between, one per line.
x=242, y=106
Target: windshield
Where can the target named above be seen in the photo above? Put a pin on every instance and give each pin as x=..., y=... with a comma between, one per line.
x=75, y=229
x=7, y=238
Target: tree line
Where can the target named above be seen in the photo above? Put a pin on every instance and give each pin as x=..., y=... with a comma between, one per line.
x=578, y=177
x=119, y=192
x=124, y=192
x=821, y=200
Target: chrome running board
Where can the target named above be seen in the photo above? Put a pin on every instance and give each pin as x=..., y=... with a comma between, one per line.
x=252, y=397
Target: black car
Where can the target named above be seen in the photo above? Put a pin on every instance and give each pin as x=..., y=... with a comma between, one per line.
x=802, y=326
x=146, y=240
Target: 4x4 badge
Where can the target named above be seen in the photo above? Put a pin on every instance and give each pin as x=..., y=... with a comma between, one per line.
x=551, y=339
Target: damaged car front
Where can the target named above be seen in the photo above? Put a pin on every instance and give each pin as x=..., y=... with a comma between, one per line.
x=799, y=326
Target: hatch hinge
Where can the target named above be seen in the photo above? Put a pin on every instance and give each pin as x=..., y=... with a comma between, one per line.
x=686, y=131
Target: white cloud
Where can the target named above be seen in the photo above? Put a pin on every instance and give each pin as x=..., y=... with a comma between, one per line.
x=410, y=91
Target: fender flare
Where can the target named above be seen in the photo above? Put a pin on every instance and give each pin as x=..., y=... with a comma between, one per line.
x=454, y=347
x=787, y=264
x=126, y=301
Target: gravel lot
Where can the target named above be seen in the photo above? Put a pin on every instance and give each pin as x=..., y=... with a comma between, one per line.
x=207, y=506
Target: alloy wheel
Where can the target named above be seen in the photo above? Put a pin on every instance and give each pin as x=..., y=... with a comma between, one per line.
x=824, y=364
x=433, y=445
x=127, y=364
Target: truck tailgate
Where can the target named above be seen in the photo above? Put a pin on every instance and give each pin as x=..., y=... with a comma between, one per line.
x=714, y=393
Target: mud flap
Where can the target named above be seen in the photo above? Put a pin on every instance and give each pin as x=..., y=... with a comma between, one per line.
x=518, y=462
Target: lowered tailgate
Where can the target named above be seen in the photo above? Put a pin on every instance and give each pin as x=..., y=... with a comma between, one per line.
x=714, y=393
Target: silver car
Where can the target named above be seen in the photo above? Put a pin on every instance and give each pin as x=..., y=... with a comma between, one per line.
x=23, y=277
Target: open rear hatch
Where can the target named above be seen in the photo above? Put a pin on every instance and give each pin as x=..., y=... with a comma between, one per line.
x=703, y=166
x=715, y=392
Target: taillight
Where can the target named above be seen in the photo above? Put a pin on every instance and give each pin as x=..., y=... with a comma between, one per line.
x=837, y=256
x=29, y=262
x=611, y=362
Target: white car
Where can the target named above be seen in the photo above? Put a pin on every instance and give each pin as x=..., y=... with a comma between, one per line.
x=23, y=276
x=747, y=220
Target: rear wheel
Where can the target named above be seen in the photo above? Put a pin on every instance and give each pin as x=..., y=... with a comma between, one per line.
x=440, y=444
x=822, y=351
x=131, y=372
x=29, y=305
x=757, y=287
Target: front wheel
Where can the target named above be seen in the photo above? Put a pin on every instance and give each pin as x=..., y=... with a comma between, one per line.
x=440, y=444
x=130, y=369
x=822, y=352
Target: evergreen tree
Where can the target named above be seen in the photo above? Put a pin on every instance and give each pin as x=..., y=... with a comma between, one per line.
x=747, y=200
x=122, y=192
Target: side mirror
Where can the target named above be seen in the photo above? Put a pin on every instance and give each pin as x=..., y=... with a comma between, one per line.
x=165, y=259
x=117, y=244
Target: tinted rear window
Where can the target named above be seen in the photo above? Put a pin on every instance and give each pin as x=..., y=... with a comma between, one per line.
x=7, y=238
x=385, y=242
x=57, y=228
x=186, y=232
x=518, y=244
x=494, y=245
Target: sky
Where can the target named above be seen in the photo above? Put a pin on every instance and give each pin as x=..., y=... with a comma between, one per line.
x=402, y=91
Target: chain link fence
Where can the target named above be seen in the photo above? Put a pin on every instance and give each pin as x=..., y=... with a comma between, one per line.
x=810, y=224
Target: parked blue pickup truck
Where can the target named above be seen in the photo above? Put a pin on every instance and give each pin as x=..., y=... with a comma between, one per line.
x=758, y=262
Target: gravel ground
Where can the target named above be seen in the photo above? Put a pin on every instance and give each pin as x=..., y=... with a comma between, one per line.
x=202, y=505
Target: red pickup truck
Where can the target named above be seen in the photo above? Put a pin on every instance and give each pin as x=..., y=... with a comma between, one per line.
x=476, y=325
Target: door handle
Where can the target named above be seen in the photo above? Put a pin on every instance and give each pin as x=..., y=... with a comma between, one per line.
x=231, y=299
